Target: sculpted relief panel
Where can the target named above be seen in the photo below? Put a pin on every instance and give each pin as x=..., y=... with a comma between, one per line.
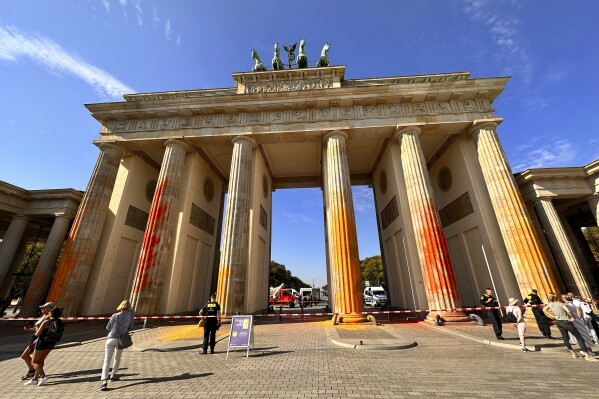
x=332, y=113
x=288, y=85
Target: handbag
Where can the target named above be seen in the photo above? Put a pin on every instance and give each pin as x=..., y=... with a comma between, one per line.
x=125, y=341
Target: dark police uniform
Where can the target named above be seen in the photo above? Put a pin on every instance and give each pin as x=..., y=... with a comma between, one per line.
x=489, y=300
x=212, y=308
x=542, y=321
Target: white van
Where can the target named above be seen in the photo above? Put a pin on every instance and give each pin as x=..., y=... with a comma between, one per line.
x=314, y=293
x=375, y=296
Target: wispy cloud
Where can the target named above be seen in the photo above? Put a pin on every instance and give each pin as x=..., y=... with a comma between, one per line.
x=363, y=199
x=505, y=31
x=167, y=30
x=15, y=45
x=299, y=218
x=106, y=4
x=548, y=152
x=155, y=17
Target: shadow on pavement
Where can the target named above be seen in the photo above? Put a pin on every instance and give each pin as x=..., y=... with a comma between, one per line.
x=184, y=376
x=269, y=353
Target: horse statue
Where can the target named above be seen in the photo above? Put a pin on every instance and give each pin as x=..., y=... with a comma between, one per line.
x=302, y=58
x=324, y=56
x=277, y=64
x=259, y=65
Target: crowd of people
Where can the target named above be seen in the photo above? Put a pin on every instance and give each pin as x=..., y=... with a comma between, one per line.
x=574, y=318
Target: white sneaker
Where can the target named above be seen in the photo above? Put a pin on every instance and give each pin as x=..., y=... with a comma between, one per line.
x=43, y=380
x=31, y=382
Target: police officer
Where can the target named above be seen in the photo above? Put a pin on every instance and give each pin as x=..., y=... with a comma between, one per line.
x=489, y=300
x=534, y=299
x=211, y=316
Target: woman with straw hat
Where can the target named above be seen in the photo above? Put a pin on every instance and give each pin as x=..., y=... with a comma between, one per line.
x=519, y=323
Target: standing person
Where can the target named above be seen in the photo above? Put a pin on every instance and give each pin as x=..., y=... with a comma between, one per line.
x=119, y=324
x=563, y=319
x=48, y=334
x=211, y=315
x=489, y=300
x=586, y=315
x=520, y=324
x=28, y=352
x=540, y=317
x=578, y=323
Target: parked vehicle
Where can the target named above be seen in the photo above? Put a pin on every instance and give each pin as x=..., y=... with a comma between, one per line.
x=282, y=296
x=310, y=294
x=375, y=296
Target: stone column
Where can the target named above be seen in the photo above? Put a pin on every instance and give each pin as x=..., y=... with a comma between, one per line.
x=593, y=202
x=562, y=248
x=153, y=258
x=78, y=255
x=232, y=273
x=42, y=277
x=10, y=243
x=437, y=270
x=529, y=262
x=341, y=229
x=9, y=279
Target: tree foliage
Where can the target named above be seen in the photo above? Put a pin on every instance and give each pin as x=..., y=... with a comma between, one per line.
x=371, y=270
x=279, y=275
x=26, y=269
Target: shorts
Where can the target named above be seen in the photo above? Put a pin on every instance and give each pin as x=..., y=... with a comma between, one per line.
x=521, y=328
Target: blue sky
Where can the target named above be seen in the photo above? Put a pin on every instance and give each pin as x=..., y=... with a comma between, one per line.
x=56, y=56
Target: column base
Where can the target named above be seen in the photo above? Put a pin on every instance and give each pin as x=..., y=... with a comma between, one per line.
x=351, y=318
x=449, y=317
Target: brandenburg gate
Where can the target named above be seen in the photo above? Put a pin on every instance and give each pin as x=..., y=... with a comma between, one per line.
x=450, y=217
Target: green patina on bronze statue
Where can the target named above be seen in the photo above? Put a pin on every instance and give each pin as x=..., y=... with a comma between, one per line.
x=324, y=56
x=302, y=58
x=277, y=64
x=259, y=66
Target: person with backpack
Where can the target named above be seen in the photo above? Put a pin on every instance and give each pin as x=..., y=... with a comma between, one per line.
x=48, y=334
x=28, y=352
x=119, y=324
x=513, y=314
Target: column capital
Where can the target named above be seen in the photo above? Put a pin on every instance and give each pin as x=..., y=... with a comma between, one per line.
x=543, y=198
x=63, y=215
x=409, y=129
x=178, y=142
x=479, y=124
x=113, y=147
x=249, y=139
x=334, y=133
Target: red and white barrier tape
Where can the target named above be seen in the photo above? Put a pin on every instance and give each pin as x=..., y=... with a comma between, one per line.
x=292, y=315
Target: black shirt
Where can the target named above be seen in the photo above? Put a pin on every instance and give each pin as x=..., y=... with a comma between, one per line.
x=485, y=300
x=210, y=309
x=534, y=299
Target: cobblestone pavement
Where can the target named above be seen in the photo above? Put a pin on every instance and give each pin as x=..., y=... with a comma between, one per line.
x=297, y=360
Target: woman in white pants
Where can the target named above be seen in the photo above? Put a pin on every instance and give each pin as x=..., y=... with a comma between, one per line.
x=119, y=324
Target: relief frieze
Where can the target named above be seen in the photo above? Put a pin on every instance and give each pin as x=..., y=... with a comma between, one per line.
x=288, y=85
x=402, y=109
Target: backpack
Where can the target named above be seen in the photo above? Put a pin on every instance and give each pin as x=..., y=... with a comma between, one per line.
x=511, y=317
x=55, y=331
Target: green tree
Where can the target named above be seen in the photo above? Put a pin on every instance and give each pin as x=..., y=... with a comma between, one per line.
x=279, y=275
x=371, y=270
x=26, y=269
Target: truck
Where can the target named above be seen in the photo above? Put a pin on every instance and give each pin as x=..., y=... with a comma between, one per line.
x=282, y=296
x=375, y=296
x=315, y=295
